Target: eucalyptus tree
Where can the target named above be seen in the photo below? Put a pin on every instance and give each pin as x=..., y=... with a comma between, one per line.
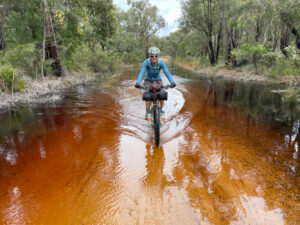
x=175, y=39
x=229, y=17
x=54, y=26
x=203, y=16
x=186, y=44
x=143, y=21
x=98, y=21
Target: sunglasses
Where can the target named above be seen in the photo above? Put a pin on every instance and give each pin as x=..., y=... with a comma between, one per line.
x=153, y=56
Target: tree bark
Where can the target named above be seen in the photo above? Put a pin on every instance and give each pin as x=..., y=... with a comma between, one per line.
x=291, y=25
x=102, y=46
x=230, y=40
x=284, y=40
x=211, y=52
x=257, y=31
x=51, y=45
x=297, y=37
x=2, y=42
x=274, y=40
x=218, y=42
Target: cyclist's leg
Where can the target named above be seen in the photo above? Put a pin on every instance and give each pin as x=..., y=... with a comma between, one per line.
x=161, y=103
x=147, y=84
x=148, y=104
x=162, y=113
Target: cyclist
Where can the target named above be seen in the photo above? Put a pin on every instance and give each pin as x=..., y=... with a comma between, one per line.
x=153, y=66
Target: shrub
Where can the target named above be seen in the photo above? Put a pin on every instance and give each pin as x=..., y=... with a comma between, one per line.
x=271, y=58
x=19, y=85
x=11, y=79
x=247, y=51
x=8, y=75
x=83, y=59
x=101, y=62
x=22, y=57
x=250, y=52
x=77, y=61
x=294, y=56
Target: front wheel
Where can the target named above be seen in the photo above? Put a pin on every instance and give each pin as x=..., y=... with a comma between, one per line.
x=156, y=118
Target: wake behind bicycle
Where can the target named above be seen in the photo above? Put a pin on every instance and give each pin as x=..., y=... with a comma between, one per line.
x=155, y=93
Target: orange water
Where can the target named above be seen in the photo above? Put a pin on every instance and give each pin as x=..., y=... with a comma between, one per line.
x=92, y=161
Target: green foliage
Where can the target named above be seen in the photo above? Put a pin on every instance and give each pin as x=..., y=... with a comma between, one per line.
x=22, y=57
x=76, y=61
x=251, y=53
x=11, y=79
x=93, y=36
x=142, y=21
x=84, y=60
x=203, y=17
x=101, y=62
x=247, y=51
x=293, y=53
x=8, y=75
x=272, y=57
x=284, y=67
x=74, y=22
x=19, y=85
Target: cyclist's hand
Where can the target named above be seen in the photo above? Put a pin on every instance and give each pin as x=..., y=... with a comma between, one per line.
x=172, y=85
x=137, y=85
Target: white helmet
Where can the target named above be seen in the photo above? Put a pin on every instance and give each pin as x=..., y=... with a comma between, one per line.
x=154, y=51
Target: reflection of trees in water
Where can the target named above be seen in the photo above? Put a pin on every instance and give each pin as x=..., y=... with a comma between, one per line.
x=69, y=151
x=31, y=124
x=18, y=126
x=14, y=120
x=230, y=157
x=255, y=100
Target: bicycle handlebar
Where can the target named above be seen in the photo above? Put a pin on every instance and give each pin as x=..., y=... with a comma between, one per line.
x=162, y=87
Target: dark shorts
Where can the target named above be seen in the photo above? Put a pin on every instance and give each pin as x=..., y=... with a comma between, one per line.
x=147, y=83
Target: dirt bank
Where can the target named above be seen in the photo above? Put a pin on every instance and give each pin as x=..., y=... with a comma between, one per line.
x=45, y=90
x=290, y=81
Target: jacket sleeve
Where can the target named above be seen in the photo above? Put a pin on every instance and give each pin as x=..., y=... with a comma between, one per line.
x=166, y=71
x=142, y=72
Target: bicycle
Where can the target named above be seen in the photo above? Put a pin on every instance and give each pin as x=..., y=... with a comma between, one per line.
x=155, y=110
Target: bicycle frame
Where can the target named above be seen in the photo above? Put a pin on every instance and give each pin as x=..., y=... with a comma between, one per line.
x=155, y=114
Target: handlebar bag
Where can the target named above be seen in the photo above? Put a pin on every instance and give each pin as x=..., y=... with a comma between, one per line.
x=163, y=95
x=148, y=96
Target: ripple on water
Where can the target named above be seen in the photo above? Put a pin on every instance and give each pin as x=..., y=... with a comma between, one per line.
x=91, y=160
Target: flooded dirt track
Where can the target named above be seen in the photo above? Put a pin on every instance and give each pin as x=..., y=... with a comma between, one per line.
x=91, y=159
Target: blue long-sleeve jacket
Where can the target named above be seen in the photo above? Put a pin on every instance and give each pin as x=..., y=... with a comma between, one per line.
x=153, y=71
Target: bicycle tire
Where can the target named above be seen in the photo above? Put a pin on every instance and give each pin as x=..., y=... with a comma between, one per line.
x=156, y=118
